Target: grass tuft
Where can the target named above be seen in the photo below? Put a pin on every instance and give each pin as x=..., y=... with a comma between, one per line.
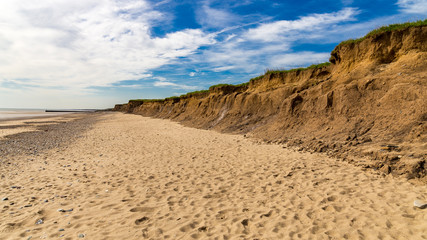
x=274, y=71
x=383, y=29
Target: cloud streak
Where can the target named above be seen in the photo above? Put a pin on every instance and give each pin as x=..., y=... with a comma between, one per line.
x=413, y=6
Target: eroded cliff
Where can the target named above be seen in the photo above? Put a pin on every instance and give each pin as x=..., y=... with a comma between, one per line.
x=369, y=106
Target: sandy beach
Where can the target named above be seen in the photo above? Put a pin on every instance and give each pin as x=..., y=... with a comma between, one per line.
x=122, y=176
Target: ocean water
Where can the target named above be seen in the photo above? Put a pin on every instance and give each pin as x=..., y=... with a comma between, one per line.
x=21, y=113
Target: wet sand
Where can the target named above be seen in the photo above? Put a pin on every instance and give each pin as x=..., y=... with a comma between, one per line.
x=130, y=177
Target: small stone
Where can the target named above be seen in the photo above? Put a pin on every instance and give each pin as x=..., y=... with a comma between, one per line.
x=81, y=235
x=63, y=210
x=203, y=229
x=28, y=205
x=46, y=200
x=5, y=199
x=40, y=221
x=420, y=204
x=61, y=229
x=245, y=222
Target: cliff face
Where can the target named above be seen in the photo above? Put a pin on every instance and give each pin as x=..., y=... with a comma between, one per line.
x=370, y=104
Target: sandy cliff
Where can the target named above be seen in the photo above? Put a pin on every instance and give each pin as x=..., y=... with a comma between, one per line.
x=369, y=106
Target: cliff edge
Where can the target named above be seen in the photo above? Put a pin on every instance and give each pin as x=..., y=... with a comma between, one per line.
x=368, y=106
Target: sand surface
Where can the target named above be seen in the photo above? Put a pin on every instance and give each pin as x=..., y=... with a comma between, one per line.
x=130, y=177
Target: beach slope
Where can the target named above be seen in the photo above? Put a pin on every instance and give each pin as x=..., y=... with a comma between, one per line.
x=131, y=177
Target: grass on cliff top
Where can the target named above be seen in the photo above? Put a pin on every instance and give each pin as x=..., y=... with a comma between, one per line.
x=273, y=71
x=389, y=28
x=241, y=85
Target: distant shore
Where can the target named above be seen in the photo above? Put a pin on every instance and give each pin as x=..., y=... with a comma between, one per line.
x=9, y=114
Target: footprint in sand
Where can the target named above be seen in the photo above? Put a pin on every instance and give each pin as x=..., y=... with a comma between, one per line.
x=142, y=209
x=141, y=220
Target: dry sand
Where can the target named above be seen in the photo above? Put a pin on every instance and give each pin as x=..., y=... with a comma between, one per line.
x=131, y=177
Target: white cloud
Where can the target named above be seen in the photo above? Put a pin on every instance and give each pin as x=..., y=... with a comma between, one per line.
x=192, y=74
x=213, y=17
x=280, y=30
x=224, y=68
x=174, y=85
x=81, y=44
x=413, y=6
x=300, y=59
x=347, y=2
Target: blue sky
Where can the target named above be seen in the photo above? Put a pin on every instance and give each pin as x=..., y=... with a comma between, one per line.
x=95, y=53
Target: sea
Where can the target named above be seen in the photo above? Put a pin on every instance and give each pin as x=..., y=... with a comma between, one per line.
x=23, y=113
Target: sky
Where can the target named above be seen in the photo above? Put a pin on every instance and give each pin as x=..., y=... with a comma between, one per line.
x=96, y=53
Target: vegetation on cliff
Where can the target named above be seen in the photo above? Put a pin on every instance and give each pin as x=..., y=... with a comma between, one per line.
x=384, y=29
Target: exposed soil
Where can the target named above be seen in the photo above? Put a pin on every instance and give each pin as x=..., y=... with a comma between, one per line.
x=368, y=107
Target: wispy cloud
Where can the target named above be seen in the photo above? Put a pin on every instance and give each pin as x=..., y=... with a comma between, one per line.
x=413, y=6
x=280, y=30
x=300, y=59
x=270, y=44
x=214, y=17
x=174, y=85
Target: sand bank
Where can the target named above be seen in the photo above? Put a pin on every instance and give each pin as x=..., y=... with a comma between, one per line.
x=130, y=177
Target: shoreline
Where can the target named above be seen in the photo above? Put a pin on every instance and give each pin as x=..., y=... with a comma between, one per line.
x=32, y=135
x=35, y=116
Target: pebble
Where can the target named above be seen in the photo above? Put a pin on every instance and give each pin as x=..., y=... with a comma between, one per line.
x=28, y=205
x=5, y=199
x=63, y=210
x=61, y=229
x=40, y=221
x=81, y=235
x=420, y=204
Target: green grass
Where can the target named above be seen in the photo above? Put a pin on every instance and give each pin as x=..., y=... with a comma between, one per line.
x=241, y=85
x=383, y=29
x=275, y=71
x=195, y=93
x=219, y=85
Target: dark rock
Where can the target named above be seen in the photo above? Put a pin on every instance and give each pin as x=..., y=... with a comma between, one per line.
x=245, y=222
